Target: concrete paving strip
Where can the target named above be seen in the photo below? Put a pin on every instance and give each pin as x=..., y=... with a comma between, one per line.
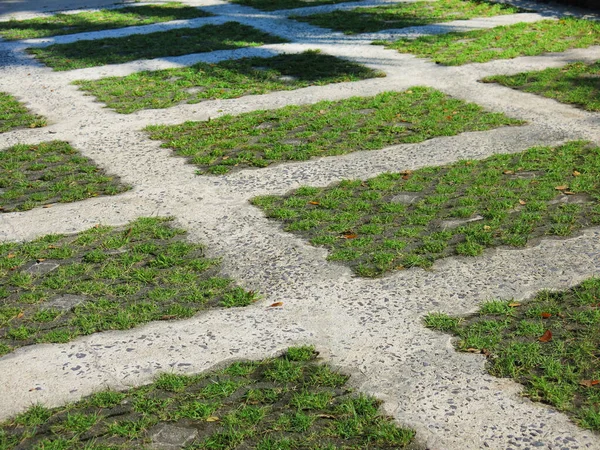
x=370, y=329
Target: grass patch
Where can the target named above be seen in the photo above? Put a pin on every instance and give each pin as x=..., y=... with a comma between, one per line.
x=182, y=41
x=298, y=133
x=577, y=84
x=227, y=79
x=58, y=287
x=549, y=344
x=50, y=172
x=273, y=5
x=14, y=115
x=399, y=220
x=105, y=19
x=364, y=20
x=505, y=42
x=227, y=409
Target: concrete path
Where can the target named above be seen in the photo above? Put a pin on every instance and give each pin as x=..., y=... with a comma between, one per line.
x=371, y=329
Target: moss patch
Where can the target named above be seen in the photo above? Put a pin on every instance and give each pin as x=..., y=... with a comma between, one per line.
x=399, y=220
x=549, y=344
x=59, y=287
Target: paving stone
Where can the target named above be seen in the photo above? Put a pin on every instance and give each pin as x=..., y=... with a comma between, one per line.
x=454, y=223
x=41, y=268
x=406, y=198
x=64, y=302
x=166, y=436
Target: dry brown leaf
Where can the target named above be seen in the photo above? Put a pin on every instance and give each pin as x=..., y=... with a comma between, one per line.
x=473, y=350
x=546, y=337
x=522, y=202
x=545, y=315
x=49, y=205
x=313, y=203
x=10, y=255
x=562, y=187
x=326, y=416
x=589, y=383
x=349, y=235
x=322, y=111
x=576, y=173
x=21, y=314
x=514, y=304
x=508, y=172
x=406, y=172
x=276, y=304
x=212, y=419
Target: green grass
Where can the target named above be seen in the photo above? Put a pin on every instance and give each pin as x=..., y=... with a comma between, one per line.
x=122, y=277
x=227, y=79
x=509, y=200
x=104, y=19
x=562, y=369
x=577, y=84
x=297, y=133
x=385, y=17
x=182, y=41
x=237, y=407
x=14, y=115
x=505, y=42
x=273, y=5
x=50, y=172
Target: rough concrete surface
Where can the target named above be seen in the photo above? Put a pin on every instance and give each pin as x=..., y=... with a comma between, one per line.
x=371, y=329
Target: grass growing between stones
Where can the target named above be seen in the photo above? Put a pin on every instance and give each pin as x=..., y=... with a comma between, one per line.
x=105, y=19
x=363, y=20
x=227, y=79
x=577, y=84
x=285, y=403
x=297, y=133
x=273, y=5
x=14, y=115
x=50, y=172
x=549, y=344
x=181, y=41
x=59, y=287
x=399, y=220
x=505, y=42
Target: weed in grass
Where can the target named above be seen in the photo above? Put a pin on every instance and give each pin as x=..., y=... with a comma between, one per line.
x=153, y=275
x=241, y=406
x=105, y=19
x=577, y=84
x=273, y=5
x=385, y=17
x=50, y=172
x=513, y=199
x=14, y=115
x=505, y=42
x=226, y=79
x=297, y=133
x=181, y=41
x=562, y=368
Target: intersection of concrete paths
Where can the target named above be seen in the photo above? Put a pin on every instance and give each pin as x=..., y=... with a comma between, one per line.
x=371, y=329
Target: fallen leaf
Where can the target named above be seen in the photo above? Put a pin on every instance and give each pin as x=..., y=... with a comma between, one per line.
x=508, y=172
x=326, y=416
x=589, y=383
x=473, y=350
x=405, y=177
x=576, y=173
x=514, y=304
x=485, y=351
x=406, y=172
x=49, y=205
x=487, y=227
x=21, y=314
x=225, y=158
x=212, y=419
x=313, y=203
x=546, y=337
x=349, y=235
x=562, y=187
x=276, y=304
x=322, y=111
x=522, y=202
x=545, y=315
x=168, y=317
x=10, y=255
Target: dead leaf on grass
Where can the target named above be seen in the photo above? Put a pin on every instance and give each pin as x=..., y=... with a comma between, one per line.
x=276, y=305
x=545, y=315
x=514, y=304
x=589, y=383
x=546, y=337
